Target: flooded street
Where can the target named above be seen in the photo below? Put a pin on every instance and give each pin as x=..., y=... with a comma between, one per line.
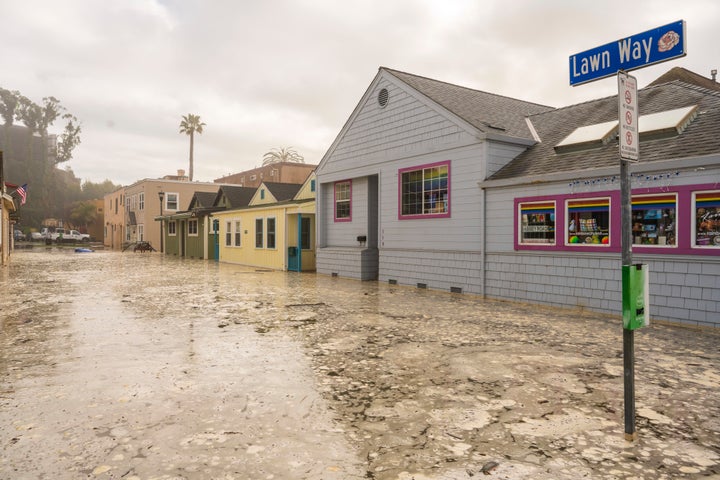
x=137, y=366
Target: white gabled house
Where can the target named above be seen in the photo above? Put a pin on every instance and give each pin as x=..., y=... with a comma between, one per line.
x=398, y=197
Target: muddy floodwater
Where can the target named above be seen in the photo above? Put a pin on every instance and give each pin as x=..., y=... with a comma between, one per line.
x=138, y=366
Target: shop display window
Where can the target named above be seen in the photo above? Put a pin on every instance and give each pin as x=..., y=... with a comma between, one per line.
x=588, y=222
x=537, y=223
x=654, y=219
x=706, y=222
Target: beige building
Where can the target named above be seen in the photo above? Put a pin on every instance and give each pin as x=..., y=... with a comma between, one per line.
x=129, y=212
x=280, y=172
x=7, y=208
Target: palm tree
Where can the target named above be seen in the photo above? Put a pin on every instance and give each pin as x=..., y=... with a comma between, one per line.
x=282, y=155
x=189, y=125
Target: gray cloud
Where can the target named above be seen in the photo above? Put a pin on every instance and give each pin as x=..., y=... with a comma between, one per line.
x=289, y=72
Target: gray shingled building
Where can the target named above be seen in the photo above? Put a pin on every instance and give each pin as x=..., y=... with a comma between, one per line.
x=439, y=186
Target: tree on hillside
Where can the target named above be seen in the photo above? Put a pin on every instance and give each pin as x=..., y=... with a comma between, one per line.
x=27, y=144
x=282, y=155
x=82, y=214
x=69, y=139
x=92, y=191
x=8, y=105
x=190, y=125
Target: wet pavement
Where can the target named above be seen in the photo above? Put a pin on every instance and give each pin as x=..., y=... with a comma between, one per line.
x=135, y=366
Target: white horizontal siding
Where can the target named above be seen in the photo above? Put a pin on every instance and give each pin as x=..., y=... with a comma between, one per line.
x=405, y=127
x=459, y=232
x=344, y=234
x=499, y=154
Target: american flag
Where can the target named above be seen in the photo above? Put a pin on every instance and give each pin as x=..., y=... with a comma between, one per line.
x=22, y=191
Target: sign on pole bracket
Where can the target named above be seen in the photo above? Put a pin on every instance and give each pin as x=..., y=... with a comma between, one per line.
x=628, y=113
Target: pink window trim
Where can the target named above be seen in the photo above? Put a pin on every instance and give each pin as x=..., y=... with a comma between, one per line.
x=684, y=235
x=426, y=215
x=349, y=218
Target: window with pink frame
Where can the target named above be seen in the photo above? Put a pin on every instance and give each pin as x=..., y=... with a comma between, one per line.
x=424, y=191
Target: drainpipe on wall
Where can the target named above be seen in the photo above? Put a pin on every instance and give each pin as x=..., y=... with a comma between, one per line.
x=483, y=229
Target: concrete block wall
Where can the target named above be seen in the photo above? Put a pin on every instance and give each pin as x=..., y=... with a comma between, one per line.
x=682, y=289
x=348, y=262
x=439, y=270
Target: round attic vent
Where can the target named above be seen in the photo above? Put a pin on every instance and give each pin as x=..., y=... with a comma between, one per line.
x=383, y=97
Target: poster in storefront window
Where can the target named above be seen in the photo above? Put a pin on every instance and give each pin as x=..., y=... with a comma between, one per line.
x=707, y=219
x=537, y=223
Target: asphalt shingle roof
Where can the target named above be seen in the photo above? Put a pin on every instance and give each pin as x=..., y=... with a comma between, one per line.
x=283, y=191
x=236, y=196
x=487, y=112
x=701, y=137
x=686, y=76
x=203, y=199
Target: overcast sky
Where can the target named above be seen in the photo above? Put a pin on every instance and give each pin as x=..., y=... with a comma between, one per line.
x=288, y=73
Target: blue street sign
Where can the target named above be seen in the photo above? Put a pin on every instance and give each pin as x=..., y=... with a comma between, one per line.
x=654, y=46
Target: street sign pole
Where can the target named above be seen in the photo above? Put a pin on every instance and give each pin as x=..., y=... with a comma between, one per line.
x=653, y=46
x=628, y=334
x=628, y=139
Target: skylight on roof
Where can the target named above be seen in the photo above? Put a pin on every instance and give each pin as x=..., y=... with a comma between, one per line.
x=653, y=126
x=598, y=133
x=672, y=121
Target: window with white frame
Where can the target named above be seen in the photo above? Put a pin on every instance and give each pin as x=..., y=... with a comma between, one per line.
x=270, y=226
x=343, y=201
x=172, y=228
x=238, y=233
x=193, y=227
x=706, y=219
x=588, y=221
x=141, y=232
x=141, y=201
x=258, y=233
x=171, y=201
x=537, y=223
x=425, y=191
x=654, y=219
x=228, y=234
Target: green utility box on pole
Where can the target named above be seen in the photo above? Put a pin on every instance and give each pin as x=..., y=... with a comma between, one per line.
x=635, y=296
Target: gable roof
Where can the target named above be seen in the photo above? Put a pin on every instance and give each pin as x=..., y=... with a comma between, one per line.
x=487, y=112
x=701, y=137
x=235, y=195
x=202, y=199
x=283, y=191
x=686, y=76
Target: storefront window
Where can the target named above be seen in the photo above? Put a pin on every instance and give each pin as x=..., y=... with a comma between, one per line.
x=707, y=219
x=537, y=223
x=654, y=221
x=588, y=222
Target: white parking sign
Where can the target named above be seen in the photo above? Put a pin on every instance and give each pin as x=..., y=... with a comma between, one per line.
x=628, y=117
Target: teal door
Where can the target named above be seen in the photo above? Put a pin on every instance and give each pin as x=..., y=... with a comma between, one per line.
x=293, y=259
x=215, y=255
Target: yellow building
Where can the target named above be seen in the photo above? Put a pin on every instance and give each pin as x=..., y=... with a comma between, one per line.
x=276, y=230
